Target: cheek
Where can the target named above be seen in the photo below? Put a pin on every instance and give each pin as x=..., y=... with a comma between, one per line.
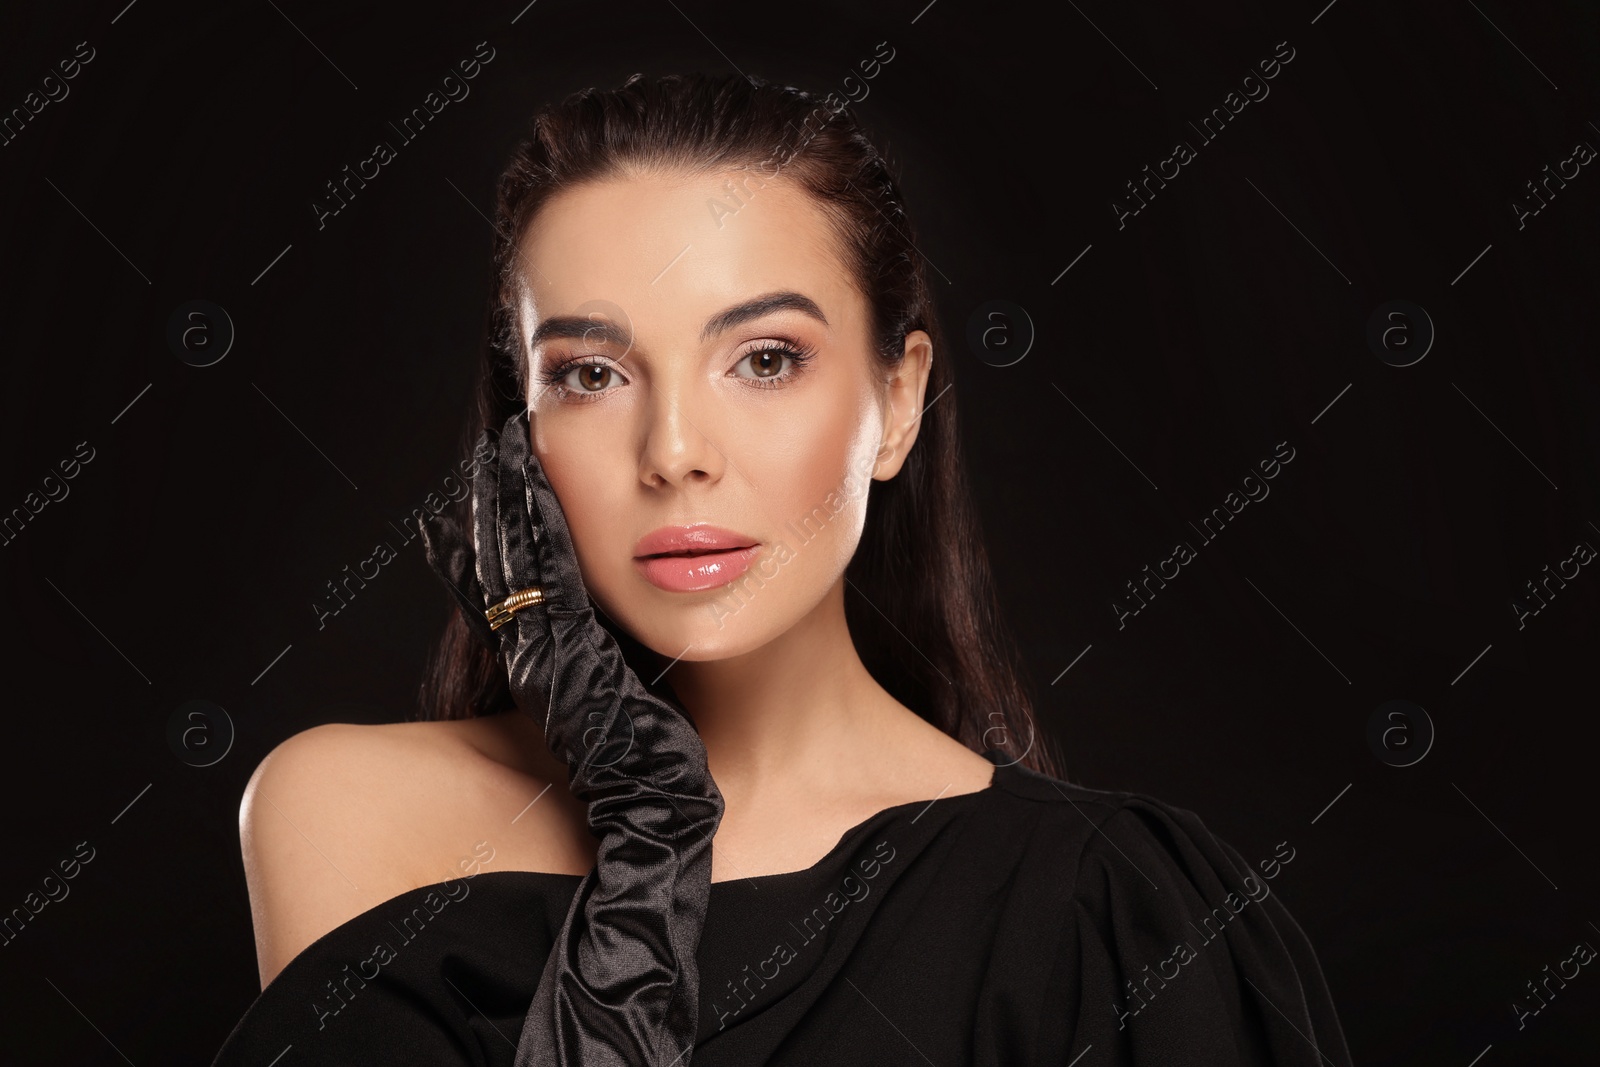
x=816, y=469
x=575, y=475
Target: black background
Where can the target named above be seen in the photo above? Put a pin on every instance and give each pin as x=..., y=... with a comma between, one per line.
x=1224, y=318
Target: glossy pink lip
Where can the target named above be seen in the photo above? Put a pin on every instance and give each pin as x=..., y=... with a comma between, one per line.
x=685, y=559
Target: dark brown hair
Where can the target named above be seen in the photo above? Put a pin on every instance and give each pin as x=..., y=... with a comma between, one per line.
x=919, y=599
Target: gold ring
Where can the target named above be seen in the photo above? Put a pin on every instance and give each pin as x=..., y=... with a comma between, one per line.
x=501, y=613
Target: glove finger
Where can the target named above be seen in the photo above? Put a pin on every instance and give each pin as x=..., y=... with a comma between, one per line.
x=516, y=555
x=558, y=560
x=451, y=556
x=485, y=526
x=536, y=546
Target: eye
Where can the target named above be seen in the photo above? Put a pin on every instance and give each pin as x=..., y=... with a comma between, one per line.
x=771, y=363
x=590, y=377
x=582, y=379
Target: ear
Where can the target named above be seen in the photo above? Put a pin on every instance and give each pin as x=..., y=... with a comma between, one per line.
x=902, y=415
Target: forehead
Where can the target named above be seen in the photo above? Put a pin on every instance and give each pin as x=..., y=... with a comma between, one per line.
x=672, y=248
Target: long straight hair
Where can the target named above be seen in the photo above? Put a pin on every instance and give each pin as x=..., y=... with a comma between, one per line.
x=919, y=597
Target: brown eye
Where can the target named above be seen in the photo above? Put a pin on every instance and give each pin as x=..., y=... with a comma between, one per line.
x=770, y=366
x=766, y=363
x=584, y=380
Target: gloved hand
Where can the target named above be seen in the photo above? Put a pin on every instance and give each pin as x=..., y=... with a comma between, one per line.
x=621, y=986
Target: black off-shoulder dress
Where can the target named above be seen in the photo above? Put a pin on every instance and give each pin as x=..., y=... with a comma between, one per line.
x=1029, y=923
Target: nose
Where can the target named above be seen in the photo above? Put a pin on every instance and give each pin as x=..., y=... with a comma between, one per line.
x=676, y=449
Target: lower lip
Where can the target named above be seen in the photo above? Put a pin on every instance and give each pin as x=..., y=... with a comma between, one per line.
x=689, y=574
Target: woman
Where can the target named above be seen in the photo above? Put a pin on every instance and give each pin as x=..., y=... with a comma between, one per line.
x=726, y=759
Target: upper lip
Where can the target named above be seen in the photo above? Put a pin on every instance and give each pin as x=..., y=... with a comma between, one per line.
x=690, y=540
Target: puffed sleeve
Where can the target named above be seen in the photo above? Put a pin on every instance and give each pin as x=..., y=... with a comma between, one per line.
x=1178, y=951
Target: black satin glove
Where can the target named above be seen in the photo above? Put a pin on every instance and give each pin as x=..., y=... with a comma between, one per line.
x=621, y=986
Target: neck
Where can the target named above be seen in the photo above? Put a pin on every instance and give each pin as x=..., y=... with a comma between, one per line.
x=799, y=712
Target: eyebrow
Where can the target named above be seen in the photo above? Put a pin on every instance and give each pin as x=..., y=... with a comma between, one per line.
x=787, y=300
x=603, y=330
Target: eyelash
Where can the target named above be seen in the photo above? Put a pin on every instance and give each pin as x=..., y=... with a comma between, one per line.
x=798, y=355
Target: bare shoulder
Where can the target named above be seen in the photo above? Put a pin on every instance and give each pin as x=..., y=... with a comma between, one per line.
x=341, y=817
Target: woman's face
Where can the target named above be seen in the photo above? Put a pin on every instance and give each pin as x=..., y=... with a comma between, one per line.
x=694, y=368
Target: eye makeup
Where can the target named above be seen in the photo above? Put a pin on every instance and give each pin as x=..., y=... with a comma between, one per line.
x=786, y=358
x=785, y=350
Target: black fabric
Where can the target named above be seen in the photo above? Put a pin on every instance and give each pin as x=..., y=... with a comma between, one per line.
x=1032, y=922
x=620, y=987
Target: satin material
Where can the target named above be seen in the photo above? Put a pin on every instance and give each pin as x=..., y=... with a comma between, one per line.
x=1032, y=924
x=621, y=984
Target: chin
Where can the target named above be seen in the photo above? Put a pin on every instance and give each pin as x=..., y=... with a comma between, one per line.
x=693, y=631
x=712, y=624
